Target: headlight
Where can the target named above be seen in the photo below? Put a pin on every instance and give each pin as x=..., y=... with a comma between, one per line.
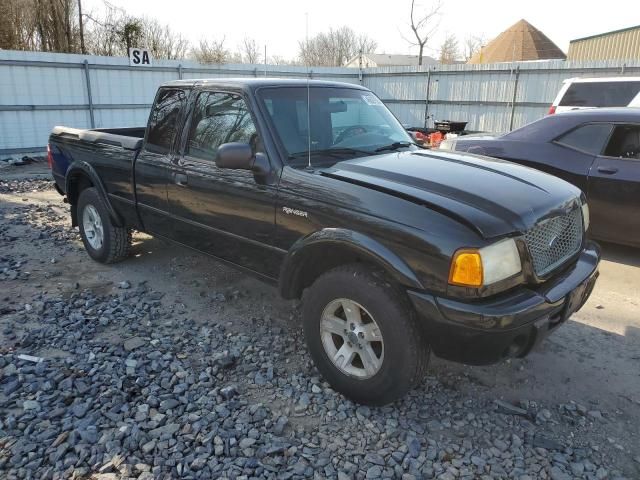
x=485, y=266
x=585, y=216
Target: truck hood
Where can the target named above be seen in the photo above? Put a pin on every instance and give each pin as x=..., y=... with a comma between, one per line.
x=492, y=196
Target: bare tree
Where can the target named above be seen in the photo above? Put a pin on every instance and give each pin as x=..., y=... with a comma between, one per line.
x=210, y=52
x=162, y=41
x=101, y=32
x=234, y=57
x=131, y=34
x=280, y=60
x=115, y=32
x=17, y=25
x=56, y=25
x=364, y=44
x=335, y=47
x=472, y=44
x=249, y=51
x=45, y=25
x=449, y=51
x=423, y=25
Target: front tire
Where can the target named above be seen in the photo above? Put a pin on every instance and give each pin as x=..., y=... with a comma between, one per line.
x=363, y=336
x=103, y=241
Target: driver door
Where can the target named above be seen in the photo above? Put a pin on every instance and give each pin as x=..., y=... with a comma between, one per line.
x=223, y=212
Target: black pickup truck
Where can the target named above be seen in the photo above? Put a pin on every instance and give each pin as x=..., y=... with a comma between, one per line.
x=395, y=251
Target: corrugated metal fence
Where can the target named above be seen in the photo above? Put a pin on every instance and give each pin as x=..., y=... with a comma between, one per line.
x=40, y=90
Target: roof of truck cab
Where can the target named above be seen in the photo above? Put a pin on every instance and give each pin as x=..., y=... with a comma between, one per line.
x=252, y=83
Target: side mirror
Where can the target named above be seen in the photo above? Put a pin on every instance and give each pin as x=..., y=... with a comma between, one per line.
x=235, y=155
x=240, y=156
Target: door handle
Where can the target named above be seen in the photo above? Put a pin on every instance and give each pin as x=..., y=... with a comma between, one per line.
x=180, y=179
x=608, y=170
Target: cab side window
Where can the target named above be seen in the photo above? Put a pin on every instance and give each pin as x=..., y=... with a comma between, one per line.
x=588, y=138
x=164, y=118
x=219, y=118
x=624, y=142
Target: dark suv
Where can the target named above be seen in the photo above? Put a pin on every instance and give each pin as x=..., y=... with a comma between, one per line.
x=395, y=251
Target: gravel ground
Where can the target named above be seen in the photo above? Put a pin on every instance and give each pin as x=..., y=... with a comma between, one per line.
x=172, y=366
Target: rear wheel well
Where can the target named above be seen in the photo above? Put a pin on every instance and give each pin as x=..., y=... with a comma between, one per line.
x=317, y=260
x=77, y=183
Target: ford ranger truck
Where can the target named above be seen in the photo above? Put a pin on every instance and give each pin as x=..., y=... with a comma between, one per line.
x=395, y=251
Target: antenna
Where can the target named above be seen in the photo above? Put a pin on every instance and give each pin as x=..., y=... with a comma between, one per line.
x=309, y=167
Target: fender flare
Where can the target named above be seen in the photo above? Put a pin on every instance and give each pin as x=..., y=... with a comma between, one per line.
x=82, y=168
x=360, y=244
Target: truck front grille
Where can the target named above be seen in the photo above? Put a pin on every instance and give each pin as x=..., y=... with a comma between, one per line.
x=553, y=241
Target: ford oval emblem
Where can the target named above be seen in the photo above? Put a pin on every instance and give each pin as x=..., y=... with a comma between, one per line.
x=553, y=243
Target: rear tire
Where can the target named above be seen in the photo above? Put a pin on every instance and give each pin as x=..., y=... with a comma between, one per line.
x=363, y=336
x=103, y=241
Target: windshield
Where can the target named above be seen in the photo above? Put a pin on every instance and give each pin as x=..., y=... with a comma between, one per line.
x=345, y=123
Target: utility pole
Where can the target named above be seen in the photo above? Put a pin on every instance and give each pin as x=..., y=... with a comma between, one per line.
x=82, y=49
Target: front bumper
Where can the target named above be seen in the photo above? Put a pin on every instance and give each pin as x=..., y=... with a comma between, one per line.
x=510, y=325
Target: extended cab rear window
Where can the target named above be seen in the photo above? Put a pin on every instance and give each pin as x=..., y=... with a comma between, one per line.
x=600, y=94
x=164, y=118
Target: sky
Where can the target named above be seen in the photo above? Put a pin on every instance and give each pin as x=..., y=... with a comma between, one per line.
x=280, y=24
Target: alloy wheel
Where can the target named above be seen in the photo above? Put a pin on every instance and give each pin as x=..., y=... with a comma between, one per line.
x=351, y=338
x=92, y=226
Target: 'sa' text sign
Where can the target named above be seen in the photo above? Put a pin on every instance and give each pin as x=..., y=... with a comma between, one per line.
x=139, y=57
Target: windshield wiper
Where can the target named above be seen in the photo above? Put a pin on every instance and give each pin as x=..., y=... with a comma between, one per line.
x=330, y=152
x=394, y=146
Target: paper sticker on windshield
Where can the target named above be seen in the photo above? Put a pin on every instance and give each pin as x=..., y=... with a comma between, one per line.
x=371, y=99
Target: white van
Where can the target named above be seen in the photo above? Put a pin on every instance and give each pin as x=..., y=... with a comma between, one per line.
x=578, y=93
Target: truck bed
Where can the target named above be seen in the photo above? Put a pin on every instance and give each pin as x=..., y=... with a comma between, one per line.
x=109, y=152
x=129, y=138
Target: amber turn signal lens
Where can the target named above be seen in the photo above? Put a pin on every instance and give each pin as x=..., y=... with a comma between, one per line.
x=466, y=269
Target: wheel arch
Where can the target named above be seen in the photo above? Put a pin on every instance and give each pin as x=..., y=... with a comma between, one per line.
x=323, y=250
x=80, y=176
